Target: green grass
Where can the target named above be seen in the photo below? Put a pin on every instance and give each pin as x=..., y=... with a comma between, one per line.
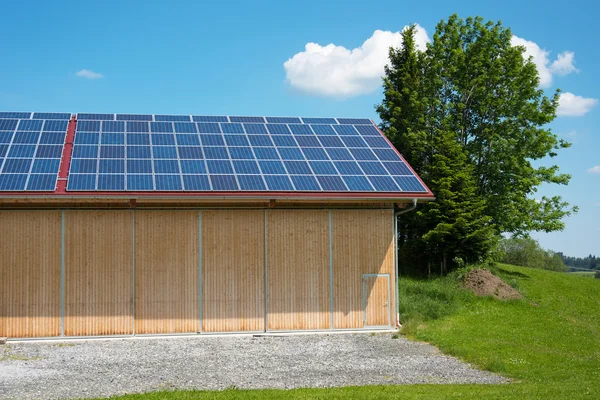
x=589, y=274
x=548, y=343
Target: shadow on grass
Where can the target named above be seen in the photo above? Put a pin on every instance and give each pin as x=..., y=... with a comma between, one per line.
x=513, y=273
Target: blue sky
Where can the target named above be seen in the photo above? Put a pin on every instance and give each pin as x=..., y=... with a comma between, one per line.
x=228, y=58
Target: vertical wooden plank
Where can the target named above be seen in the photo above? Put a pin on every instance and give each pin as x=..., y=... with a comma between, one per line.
x=166, y=272
x=362, y=244
x=233, y=270
x=98, y=289
x=30, y=260
x=298, y=269
x=377, y=301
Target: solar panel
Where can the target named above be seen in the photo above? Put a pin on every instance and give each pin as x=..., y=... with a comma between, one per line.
x=20, y=115
x=62, y=116
x=102, y=117
x=31, y=147
x=116, y=152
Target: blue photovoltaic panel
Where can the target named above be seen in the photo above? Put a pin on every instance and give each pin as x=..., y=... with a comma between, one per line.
x=168, y=182
x=332, y=183
x=279, y=182
x=64, y=116
x=8, y=124
x=42, y=182
x=110, y=182
x=328, y=121
x=140, y=182
x=19, y=115
x=85, y=182
x=185, y=127
x=172, y=118
x=209, y=118
x=26, y=137
x=161, y=127
x=357, y=183
x=119, y=126
x=197, y=183
x=55, y=126
x=220, y=153
x=259, y=120
x=31, y=150
x=97, y=117
x=224, y=182
x=133, y=117
x=17, y=166
x=283, y=120
x=355, y=121
x=251, y=182
x=409, y=184
x=13, y=182
x=88, y=126
x=305, y=183
x=30, y=125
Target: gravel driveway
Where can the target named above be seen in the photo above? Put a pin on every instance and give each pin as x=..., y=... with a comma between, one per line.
x=50, y=370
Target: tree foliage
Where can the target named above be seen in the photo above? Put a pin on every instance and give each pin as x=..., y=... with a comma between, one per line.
x=589, y=262
x=526, y=252
x=468, y=115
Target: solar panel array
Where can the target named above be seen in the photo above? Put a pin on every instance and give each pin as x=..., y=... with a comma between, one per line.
x=130, y=152
x=31, y=146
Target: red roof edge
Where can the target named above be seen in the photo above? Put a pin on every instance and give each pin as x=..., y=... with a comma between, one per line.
x=65, y=163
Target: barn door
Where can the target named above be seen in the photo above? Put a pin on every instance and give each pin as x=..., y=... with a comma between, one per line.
x=376, y=300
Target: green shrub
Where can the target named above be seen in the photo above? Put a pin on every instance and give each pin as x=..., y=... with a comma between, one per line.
x=526, y=252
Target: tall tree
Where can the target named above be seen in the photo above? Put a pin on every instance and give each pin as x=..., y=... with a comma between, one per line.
x=472, y=84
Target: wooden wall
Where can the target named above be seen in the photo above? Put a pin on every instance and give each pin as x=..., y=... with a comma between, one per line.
x=30, y=267
x=363, y=243
x=167, y=296
x=233, y=273
x=142, y=271
x=98, y=272
x=298, y=269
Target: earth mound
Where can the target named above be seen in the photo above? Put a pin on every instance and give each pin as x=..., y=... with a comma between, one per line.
x=484, y=283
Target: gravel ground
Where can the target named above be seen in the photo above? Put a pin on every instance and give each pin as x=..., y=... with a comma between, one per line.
x=96, y=368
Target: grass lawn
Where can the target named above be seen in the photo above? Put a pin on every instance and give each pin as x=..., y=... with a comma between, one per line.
x=548, y=343
x=589, y=274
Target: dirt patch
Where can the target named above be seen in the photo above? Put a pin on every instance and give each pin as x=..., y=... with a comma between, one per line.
x=484, y=283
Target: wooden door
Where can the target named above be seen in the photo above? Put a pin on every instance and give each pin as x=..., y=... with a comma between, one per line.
x=376, y=295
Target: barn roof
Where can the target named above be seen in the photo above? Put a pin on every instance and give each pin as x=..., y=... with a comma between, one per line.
x=137, y=155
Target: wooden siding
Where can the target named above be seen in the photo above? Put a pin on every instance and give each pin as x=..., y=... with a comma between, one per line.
x=30, y=266
x=166, y=272
x=233, y=273
x=298, y=270
x=98, y=292
x=376, y=294
x=362, y=244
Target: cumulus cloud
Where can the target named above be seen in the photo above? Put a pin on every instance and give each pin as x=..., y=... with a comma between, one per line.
x=595, y=170
x=563, y=65
x=570, y=105
x=336, y=71
x=88, y=74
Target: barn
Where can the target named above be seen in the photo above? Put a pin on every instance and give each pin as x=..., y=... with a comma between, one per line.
x=129, y=224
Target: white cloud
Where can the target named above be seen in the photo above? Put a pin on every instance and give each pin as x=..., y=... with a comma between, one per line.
x=336, y=71
x=563, y=65
x=570, y=105
x=594, y=170
x=88, y=74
